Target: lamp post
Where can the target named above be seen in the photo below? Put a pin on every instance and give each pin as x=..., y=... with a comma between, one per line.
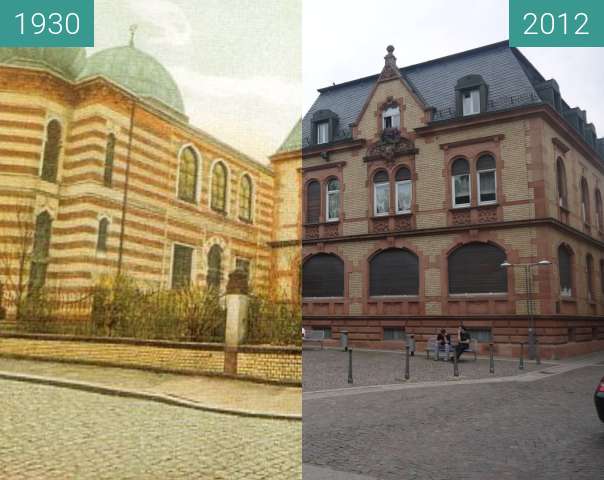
x=532, y=334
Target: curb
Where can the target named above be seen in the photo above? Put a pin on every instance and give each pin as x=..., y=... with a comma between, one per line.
x=141, y=395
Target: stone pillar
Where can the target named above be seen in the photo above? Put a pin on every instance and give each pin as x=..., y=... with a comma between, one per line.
x=237, y=302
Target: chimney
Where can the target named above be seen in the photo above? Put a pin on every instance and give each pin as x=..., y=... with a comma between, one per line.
x=390, y=69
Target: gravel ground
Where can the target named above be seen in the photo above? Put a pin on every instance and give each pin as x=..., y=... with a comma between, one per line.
x=327, y=369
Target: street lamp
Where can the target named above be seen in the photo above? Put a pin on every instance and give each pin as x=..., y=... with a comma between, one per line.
x=532, y=334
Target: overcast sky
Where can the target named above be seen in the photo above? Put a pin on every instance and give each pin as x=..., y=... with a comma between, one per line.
x=344, y=40
x=247, y=69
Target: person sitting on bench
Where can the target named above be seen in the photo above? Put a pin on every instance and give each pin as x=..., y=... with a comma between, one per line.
x=443, y=342
x=463, y=341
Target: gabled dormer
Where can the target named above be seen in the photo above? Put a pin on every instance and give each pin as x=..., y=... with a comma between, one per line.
x=471, y=95
x=324, y=124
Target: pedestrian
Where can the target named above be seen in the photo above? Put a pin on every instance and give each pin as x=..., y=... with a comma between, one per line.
x=463, y=341
x=443, y=342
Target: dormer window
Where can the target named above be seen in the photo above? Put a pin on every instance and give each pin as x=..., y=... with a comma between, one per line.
x=471, y=102
x=391, y=118
x=322, y=132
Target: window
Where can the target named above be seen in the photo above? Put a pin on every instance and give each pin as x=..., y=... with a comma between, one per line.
x=326, y=331
x=589, y=263
x=461, y=183
x=381, y=193
x=584, y=201
x=599, y=210
x=602, y=275
x=182, y=264
x=52, y=149
x=394, y=333
x=313, y=202
x=101, y=243
x=243, y=264
x=565, y=271
x=40, y=251
x=391, y=118
x=471, y=101
x=322, y=132
x=480, y=335
x=333, y=200
x=109, y=157
x=476, y=268
x=323, y=276
x=403, y=190
x=214, y=279
x=245, y=199
x=187, y=175
x=219, y=188
x=561, y=180
x=487, y=180
x=394, y=272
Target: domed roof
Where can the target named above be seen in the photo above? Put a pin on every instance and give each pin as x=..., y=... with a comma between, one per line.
x=68, y=62
x=137, y=71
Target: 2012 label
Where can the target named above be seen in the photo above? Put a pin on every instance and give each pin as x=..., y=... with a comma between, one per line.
x=547, y=22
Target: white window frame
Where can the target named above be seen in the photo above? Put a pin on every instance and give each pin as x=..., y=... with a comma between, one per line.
x=472, y=92
x=401, y=183
x=375, y=203
x=487, y=202
x=329, y=193
x=392, y=113
x=461, y=205
x=322, y=132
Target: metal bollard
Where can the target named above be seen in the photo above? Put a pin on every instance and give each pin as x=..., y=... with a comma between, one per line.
x=455, y=366
x=350, y=365
x=491, y=359
x=537, y=355
x=521, y=364
x=406, y=362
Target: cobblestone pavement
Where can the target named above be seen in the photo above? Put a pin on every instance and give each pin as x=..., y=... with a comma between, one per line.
x=54, y=433
x=326, y=369
x=544, y=429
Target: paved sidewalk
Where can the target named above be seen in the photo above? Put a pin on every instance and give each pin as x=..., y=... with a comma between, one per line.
x=211, y=393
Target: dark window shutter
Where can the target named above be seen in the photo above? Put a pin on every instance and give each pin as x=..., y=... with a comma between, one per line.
x=323, y=276
x=109, y=158
x=40, y=252
x=182, y=264
x=313, y=202
x=476, y=268
x=564, y=266
x=101, y=244
x=394, y=272
x=52, y=149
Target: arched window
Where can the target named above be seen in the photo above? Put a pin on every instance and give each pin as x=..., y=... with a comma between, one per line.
x=584, y=201
x=245, y=199
x=486, y=178
x=565, y=271
x=219, y=188
x=394, y=272
x=589, y=264
x=381, y=193
x=404, y=192
x=313, y=202
x=561, y=180
x=40, y=251
x=476, y=268
x=460, y=173
x=323, y=276
x=214, y=279
x=109, y=157
x=333, y=200
x=391, y=118
x=599, y=223
x=101, y=243
x=188, y=168
x=52, y=150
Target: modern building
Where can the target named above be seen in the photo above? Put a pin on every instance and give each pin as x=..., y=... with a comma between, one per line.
x=101, y=172
x=421, y=184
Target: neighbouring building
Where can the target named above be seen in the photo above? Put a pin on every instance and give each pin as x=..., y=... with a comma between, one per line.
x=420, y=182
x=101, y=172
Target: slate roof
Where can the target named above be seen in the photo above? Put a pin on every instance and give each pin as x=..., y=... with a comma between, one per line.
x=434, y=82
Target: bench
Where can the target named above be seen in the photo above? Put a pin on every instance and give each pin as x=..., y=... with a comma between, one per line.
x=432, y=345
x=313, y=336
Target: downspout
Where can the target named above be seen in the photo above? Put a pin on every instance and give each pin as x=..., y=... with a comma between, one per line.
x=126, y=187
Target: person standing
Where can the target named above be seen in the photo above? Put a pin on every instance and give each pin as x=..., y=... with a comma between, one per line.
x=463, y=341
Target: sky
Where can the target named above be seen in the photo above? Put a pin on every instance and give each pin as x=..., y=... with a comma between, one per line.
x=248, y=69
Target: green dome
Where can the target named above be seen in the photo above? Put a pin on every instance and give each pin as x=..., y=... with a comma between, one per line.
x=136, y=71
x=67, y=62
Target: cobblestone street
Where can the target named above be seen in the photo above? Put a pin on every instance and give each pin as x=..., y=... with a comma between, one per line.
x=56, y=433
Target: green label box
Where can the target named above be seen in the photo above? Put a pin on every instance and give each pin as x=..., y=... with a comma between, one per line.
x=46, y=23
x=556, y=23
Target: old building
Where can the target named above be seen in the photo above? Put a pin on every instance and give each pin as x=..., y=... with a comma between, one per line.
x=420, y=182
x=101, y=172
